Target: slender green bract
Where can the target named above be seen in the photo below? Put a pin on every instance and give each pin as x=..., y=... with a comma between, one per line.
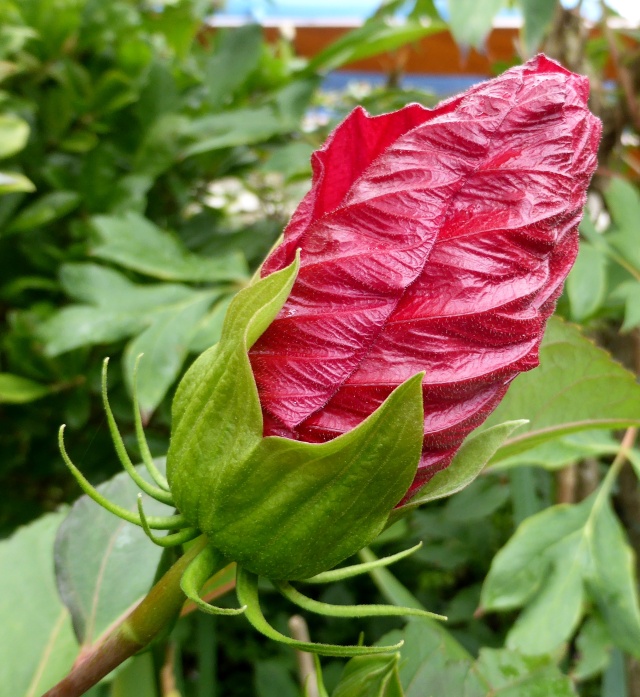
x=282, y=508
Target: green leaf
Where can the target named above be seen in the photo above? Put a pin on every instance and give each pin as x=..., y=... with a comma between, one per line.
x=236, y=56
x=104, y=565
x=629, y=292
x=11, y=182
x=374, y=37
x=428, y=661
x=467, y=464
x=44, y=210
x=514, y=675
x=471, y=21
x=519, y=570
x=273, y=679
x=113, y=91
x=587, y=282
x=15, y=389
x=611, y=580
x=232, y=128
x=370, y=676
x=281, y=115
x=556, y=559
x=434, y=659
x=594, y=649
x=430, y=655
x=165, y=344
x=577, y=386
x=478, y=501
x=553, y=614
x=36, y=642
x=623, y=202
x=136, y=243
x=107, y=288
x=614, y=680
x=209, y=329
x=86, y=325
x=14, y=133
x=563, y=451
x=120, y=309
x=290, y=160
x=538, y=15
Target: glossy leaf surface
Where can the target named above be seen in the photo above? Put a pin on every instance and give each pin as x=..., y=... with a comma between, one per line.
x=433, y=240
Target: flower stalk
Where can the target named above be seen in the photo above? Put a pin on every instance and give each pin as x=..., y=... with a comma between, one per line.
x=146, y=622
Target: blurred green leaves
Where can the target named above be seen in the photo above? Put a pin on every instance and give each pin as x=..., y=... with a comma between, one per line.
x=556, y=560
x=137, y=244
x=37, y=643
x=15, y=389
x=14, y=133
x=471, y=21
x=605, y=281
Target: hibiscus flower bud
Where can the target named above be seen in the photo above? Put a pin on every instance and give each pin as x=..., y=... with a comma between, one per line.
x=412, y=285
x=431, y=240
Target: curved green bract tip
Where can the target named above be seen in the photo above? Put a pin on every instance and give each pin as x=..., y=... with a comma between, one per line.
x=121, y=451
x=198, y=573
x=177, y=538
x=143, y=446
x=247, y=590
x=319, y=608
x=155, y=522
x=357, y=569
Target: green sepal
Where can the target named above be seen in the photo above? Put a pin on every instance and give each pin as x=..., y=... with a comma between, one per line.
x=199, y=571
x=247, y=590
x=291, y=510
x=282, y=508
x=469, y=461
x=216, y=414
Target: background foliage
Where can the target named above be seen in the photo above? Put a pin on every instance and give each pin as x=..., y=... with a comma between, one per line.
x=148, y=164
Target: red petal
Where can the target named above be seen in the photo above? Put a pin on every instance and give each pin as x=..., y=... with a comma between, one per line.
x=432, y=240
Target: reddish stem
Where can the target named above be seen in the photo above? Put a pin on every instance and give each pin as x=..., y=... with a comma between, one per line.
x=157, y=611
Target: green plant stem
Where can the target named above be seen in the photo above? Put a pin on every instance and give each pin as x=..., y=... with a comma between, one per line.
x=156, y=612
x=619, y=461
